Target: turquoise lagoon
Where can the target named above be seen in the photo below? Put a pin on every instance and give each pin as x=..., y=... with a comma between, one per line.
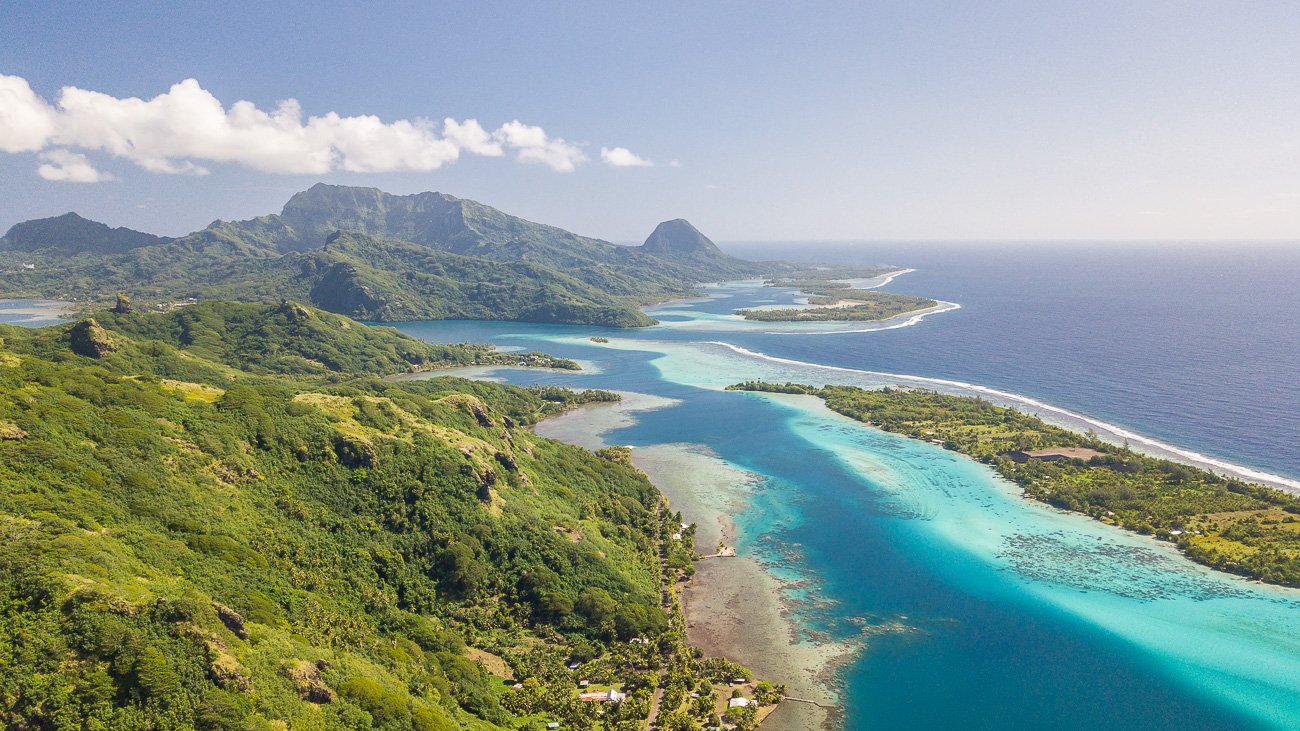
x=976, y=608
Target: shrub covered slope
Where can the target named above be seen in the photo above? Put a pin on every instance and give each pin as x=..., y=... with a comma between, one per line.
x=198, y=532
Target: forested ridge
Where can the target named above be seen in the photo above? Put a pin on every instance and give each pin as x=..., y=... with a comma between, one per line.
x=367, y=254
x=199, y=534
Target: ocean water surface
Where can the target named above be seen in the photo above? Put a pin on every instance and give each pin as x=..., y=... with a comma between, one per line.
x=977, y=608
x=33, y=313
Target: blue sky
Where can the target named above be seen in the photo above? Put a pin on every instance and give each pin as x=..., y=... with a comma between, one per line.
x=898, y=120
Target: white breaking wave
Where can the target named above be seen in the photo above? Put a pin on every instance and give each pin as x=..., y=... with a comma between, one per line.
x=889, y=278
x=916, y=317
x=1191, y=456
x=939, y=308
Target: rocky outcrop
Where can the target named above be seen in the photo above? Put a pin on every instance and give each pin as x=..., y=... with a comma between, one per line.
x=90, y=339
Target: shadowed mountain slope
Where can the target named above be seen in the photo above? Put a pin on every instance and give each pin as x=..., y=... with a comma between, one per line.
x=72, y=234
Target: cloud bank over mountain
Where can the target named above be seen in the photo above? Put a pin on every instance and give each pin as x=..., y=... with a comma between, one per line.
x=186, y=128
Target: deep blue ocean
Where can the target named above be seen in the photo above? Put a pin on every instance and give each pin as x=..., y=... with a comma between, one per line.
x=1195, y=344
x=1017, y=616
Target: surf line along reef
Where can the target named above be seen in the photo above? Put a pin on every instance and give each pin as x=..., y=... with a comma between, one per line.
x=1221, y=522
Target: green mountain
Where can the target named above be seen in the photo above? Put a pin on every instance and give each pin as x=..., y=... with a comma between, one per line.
x=71, y=234
x=391, y=280
x=457, y=226
x=197, y=533
x=372, y=255
x=678, y=238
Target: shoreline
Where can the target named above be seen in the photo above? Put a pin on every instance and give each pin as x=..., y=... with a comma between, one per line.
x=884, y=279
x=735, y=607
x=1066, y=419
x=36, y=312
x=841, y=303
x=1019, y=494
x=913, y=317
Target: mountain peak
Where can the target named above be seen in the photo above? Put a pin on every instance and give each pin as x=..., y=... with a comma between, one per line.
x=332, y=197
x=678, y=236
x=72, y=233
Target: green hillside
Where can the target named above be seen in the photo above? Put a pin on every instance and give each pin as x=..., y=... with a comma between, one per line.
x=356, y=275
x=194, y=539
x=375, y=256
x=72, y=234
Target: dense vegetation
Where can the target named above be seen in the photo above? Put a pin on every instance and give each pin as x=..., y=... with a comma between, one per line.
x=825, y=286
x=374, y=256
x=290, y=338
x=859, y=305
x=1218, y=521
x=71, y=234
x=352, y=274
x=209, y=339
x=196, y=535
x=829, y=273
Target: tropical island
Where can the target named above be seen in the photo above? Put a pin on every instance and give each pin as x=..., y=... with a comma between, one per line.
x=222, y=517
x=858, y=305
x=1218, y=521
x=839, y=301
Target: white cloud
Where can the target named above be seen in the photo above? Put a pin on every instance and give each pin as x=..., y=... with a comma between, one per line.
x=67, y=166
x=534, y=146
x=621, y=157
x=471, y=136
x=182, y=130
x=26, y=121
x=367, y=145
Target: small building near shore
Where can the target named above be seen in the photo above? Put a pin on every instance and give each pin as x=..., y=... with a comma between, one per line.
x=1054, y=454
x=604, y=696
x=739, y=702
